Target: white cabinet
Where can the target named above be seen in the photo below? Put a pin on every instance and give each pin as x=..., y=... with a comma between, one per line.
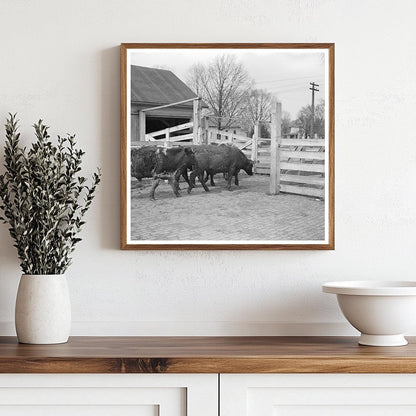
x=197, y=394
x=317, y=394
x=109, y=395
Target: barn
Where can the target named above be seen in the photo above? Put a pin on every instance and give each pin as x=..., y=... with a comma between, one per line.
x=153, y=87
x=234, y=127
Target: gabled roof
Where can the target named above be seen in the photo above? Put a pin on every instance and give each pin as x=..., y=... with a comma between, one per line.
x=158, y=86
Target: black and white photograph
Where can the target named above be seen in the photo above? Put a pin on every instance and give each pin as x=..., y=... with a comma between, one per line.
x=227, y=146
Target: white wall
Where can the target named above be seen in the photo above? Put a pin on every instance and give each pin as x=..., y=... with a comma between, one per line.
x=60, y=61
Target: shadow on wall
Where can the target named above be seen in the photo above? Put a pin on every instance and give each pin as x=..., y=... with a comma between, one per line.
x=9, y=279
x=110, y=148
x=281, y=315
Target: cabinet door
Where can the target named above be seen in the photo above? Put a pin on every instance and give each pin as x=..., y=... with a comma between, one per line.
x=108, y=395
x=318, y=394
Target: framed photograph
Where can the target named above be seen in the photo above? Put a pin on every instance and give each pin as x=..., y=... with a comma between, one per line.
x=227, y=146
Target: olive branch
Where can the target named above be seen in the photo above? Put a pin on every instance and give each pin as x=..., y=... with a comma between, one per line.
x=44, y=198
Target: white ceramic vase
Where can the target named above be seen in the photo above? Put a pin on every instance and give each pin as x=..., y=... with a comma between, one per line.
x=43, y=309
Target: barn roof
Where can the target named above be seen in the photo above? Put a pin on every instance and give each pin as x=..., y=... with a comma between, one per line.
x=158, y=86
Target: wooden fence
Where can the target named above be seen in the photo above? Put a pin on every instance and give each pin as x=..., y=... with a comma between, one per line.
x=294, y=165
x=215, y=136
x=302, y=165
x=165, y=138
x=196, y=119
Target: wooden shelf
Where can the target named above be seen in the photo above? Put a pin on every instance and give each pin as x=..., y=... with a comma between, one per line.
x=206, y=355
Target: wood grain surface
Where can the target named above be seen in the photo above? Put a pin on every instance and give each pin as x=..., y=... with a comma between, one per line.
x=206, y=355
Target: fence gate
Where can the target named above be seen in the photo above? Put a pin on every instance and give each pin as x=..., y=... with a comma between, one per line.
x=302, y=165
x=299, y=164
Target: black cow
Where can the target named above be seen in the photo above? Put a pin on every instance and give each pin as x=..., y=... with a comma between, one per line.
x=213, y=159
x=210, y=176
x=144, y=161
x=171, y=164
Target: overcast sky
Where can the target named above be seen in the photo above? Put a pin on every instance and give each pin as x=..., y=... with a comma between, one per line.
x=285, y=73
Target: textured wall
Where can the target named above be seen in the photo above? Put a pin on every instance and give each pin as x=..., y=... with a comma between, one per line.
x=60, y=61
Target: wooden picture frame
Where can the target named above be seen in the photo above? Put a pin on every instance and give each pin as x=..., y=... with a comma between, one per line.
x=145, y=79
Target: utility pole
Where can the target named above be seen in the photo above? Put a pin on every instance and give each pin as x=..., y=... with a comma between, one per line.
x=313, y=89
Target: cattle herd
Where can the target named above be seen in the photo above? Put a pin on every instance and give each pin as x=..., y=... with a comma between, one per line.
x=202, y=161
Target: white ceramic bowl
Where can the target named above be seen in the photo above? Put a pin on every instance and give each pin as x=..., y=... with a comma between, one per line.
x=381, y=311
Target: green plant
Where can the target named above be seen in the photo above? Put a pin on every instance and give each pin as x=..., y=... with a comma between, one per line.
x=44, y=198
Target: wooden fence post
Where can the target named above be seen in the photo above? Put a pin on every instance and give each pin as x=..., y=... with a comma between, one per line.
x=142, y=126
x=204, y=125
x=276, y=137
x=196, y=120
x=167, y=138
x=135, y=127
x=255, y=146
x=201, y=133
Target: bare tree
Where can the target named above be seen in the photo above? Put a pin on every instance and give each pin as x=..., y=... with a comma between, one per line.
x=196, y=77
x=286, y=123
x=256, y=108
x=224, y=85
x=304, y=119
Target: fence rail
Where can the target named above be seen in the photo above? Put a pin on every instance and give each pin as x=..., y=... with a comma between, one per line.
x=303, y=190
x=303, y=142
x=167, y=139
x=221, y=136
x=171, y=129
x=301, y=154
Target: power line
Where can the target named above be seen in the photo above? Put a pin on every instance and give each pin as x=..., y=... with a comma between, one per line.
x=288, y=89
x=288, y=85
x=290, y=79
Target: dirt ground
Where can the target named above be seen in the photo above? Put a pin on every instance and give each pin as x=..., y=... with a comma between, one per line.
x=245, y=213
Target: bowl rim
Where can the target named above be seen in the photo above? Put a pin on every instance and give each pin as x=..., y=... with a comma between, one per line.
x=371, y=288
